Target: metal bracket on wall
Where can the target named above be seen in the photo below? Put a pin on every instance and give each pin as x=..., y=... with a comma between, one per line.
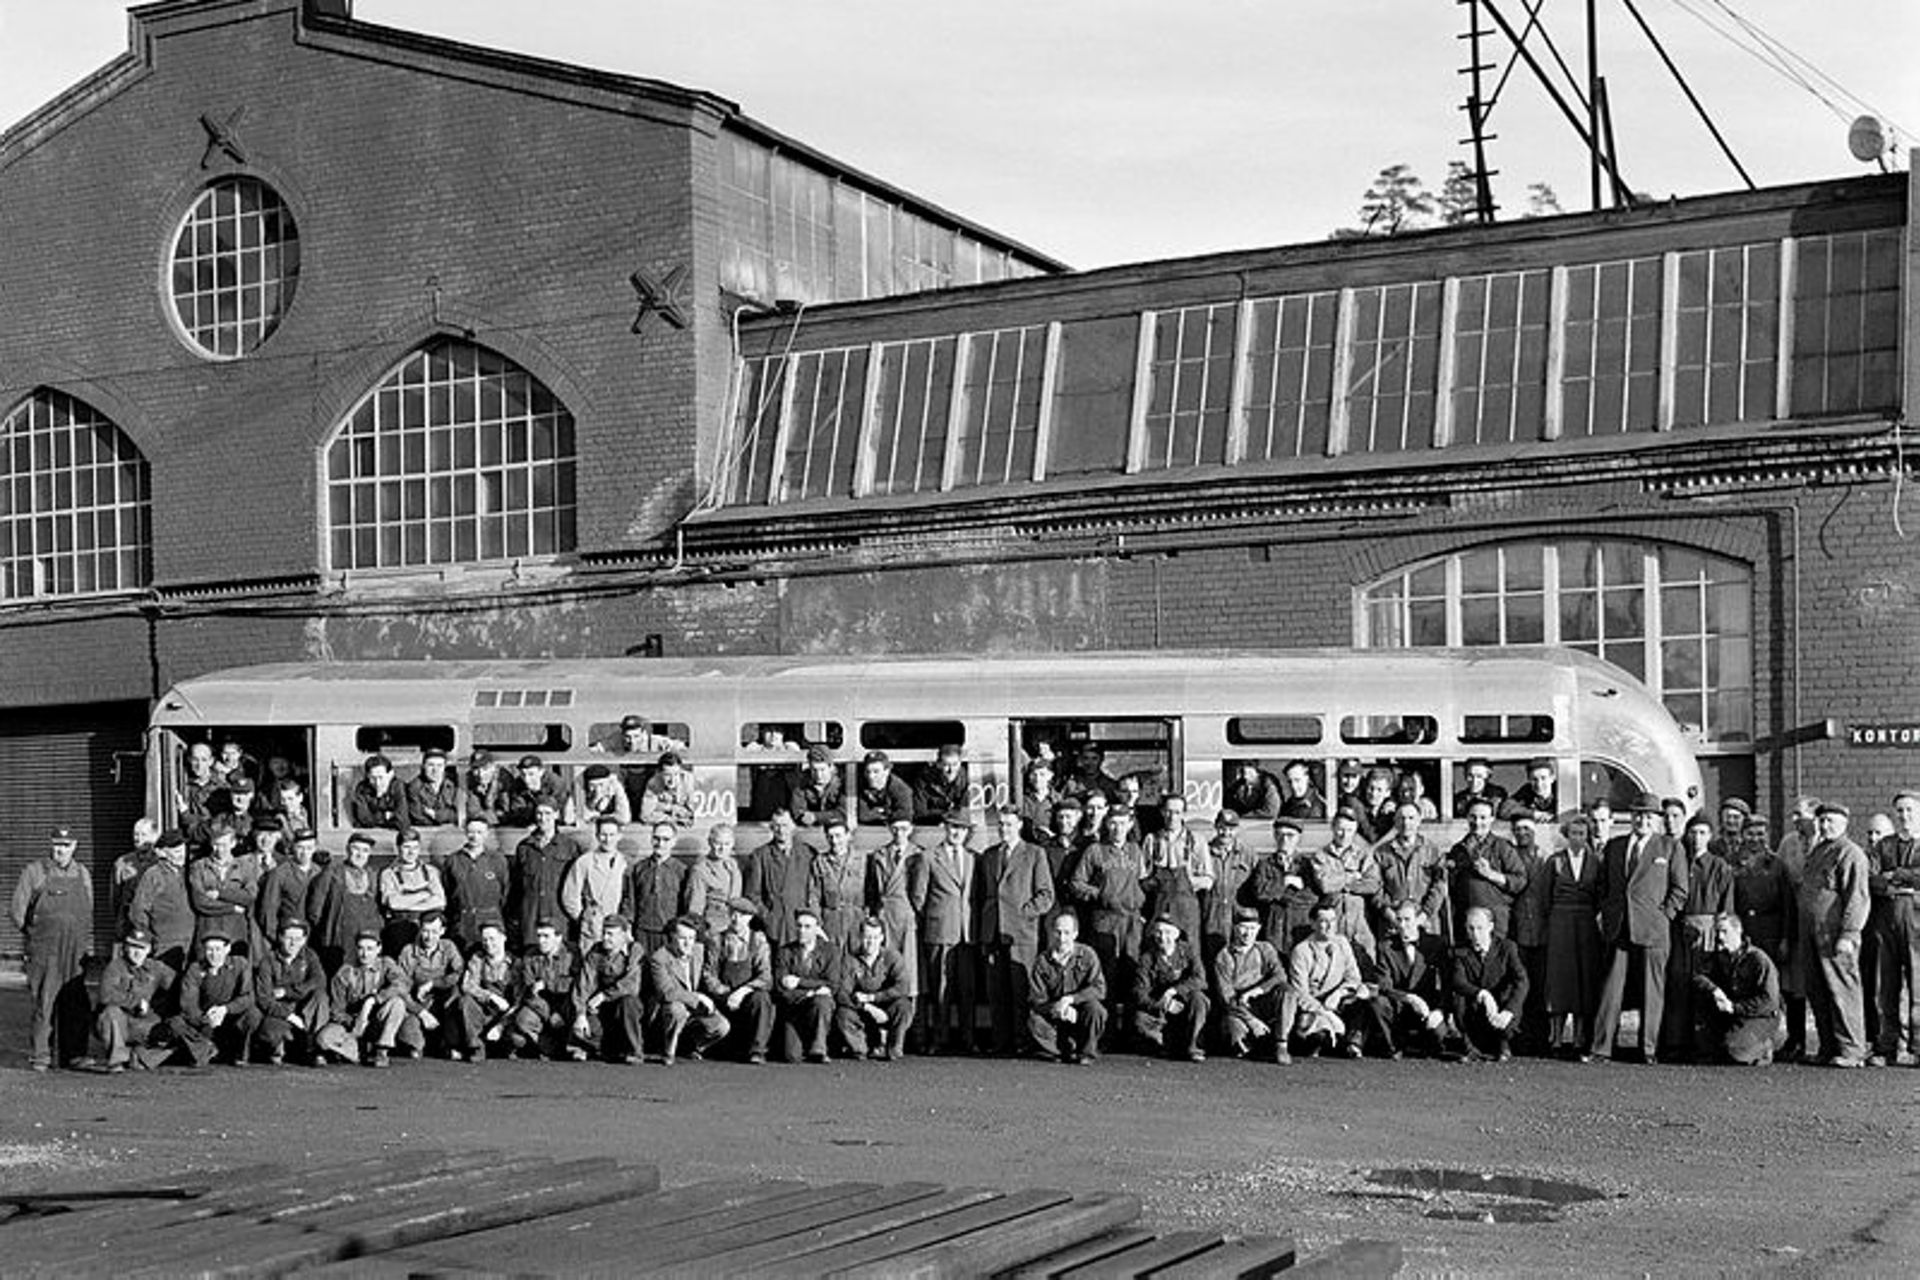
x=221, y=136
x=662, y=295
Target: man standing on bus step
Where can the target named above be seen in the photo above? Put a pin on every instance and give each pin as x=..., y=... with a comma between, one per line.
x=539, y=870
x=196, y=801
x=1106, y=884
x=776, y=876
x=1643, y=886
x=654, y=887
x=1012, y=894
x=433, y=799
x=1895, y=880
x=476, y=880
x=942, y=892
x=53, y=910
x=1347, y=873
x=162, y=903
x=132, y=992
x=1412, y=869
x=287, y=891
x=1833, y=916
x=1483, y=870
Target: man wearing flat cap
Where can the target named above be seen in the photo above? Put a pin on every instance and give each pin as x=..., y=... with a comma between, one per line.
x=162, y=903
x=1278, y=887
x=1170, y=1004
x=1833, y=916
x=739, y=978
x=1643, y=886
x=53, y=910
x=608, y=1014
x=1251, y=990
x=132, y=991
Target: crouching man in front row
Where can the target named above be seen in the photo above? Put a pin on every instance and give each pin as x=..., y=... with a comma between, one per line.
x=1737, y=1006
x=1170, y=1002
x=683, y=1017
x=129, y=1022
x=1066, y=997
x=217, y=1013
x=367, y=1004
x=874, y=1009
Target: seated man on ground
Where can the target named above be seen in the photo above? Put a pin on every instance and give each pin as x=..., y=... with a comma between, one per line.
x=608, y=1014
x=874, y=1007
x=1737, y=1004
x=290, y=987
x=1489, y=985
x=217, y=1015
x=433, y=967
x=1406, y=987
x=1250, y=985
x=1325, y=975
x=489, y=993
x=129, y=1016
x=806, y=986
x=1066, y=997
x=739, y=978
x=1170, y=1002
x=367, y=1007
x=542, y=1015
x=681, y=1015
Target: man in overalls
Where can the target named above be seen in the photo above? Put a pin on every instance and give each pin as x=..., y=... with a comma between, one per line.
x=53, y=909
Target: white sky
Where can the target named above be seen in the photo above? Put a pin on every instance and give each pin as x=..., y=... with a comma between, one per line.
x=1105, y=131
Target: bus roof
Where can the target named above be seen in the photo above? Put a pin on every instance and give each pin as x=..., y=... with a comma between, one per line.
x=1192, y=678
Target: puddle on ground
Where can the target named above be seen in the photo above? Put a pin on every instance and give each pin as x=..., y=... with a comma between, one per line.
x=1467, y=1195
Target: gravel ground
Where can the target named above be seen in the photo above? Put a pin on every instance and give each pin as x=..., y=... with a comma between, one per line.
x=1696, y=1170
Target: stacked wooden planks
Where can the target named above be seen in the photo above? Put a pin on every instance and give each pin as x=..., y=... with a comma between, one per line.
x=424, y=1213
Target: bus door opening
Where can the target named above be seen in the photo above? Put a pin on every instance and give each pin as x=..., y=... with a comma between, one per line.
x=1133, y=761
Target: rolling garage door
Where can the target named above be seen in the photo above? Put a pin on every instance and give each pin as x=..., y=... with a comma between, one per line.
x=77, y=767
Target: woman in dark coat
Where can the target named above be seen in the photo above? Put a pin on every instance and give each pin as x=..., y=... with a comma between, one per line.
x=1575, y=963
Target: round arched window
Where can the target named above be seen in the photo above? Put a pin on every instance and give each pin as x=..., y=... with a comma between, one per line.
x=236, y=260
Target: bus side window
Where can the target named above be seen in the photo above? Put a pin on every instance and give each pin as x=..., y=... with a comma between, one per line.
x=1600, y=780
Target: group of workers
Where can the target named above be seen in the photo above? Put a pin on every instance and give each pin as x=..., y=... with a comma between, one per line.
x=1085, y=922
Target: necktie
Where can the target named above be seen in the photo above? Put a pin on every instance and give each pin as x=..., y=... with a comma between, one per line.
x=1633, y=854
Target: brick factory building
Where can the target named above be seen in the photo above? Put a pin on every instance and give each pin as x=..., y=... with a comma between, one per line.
x=323, y=340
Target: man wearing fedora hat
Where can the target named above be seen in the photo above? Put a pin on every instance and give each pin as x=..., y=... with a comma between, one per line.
x=1643, y=886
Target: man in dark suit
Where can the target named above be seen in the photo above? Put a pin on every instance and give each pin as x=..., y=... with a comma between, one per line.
x=1012, y=894
x=1643, y=886
x=1489, y=985
x=775, y=876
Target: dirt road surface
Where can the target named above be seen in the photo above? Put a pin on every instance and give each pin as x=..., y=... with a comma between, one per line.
x=1788, y=1170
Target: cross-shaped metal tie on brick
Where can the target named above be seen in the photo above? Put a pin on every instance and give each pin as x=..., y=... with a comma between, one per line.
x=661, y=295
x=221, y=137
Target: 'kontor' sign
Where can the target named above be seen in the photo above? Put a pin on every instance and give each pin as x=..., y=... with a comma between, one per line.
x=1884, y=735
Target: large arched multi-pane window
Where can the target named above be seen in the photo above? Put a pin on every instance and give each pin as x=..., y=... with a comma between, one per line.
x=1681, y=620
x=458, y=455
x=75, y=508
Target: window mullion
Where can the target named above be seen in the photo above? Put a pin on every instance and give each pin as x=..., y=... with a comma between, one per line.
x=1049, y=375
x=1237, y=426
x=1783, y=371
